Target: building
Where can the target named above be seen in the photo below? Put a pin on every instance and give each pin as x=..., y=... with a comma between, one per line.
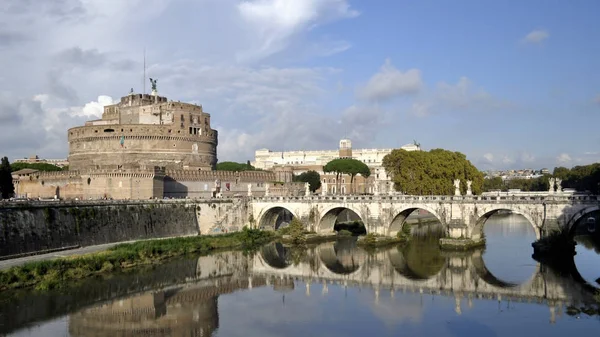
x=302, y=161
x=145, y=131
x=147, y=146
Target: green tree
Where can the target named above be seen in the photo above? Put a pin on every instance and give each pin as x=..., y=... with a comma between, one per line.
x=7, y=188
x=313, y=178
x=349, y=166
x=432, y=172
x=35, y=166
x=233, y=166
x=495, y=183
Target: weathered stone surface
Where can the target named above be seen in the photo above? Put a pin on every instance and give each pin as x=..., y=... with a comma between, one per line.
x=40, y=226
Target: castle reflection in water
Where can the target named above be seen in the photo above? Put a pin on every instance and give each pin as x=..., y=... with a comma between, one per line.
x=190, y=306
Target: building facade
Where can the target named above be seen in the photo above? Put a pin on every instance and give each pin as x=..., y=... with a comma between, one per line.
x=302, y=161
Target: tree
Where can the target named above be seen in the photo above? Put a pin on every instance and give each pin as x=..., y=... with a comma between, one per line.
x=35, y=166
x=313, y=178
x=7, y=189
x=349, y=166
x=433, y=172
x=233, y=166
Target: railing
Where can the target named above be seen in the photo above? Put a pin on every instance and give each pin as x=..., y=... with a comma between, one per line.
x=435, y=198
x=105, y=202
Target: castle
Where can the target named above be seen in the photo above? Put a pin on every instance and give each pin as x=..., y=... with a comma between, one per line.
x=146, y=146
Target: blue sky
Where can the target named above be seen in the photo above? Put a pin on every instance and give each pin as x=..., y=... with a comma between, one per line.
x=512, y=84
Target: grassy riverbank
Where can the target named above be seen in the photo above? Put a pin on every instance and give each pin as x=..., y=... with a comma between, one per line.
x=55, y=273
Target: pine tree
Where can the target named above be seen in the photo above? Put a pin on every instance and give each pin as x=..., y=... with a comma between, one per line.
x=7, y=189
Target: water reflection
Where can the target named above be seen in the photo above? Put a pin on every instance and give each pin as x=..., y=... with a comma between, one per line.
x=508, y=247
x=333, y=289
x=587, y=259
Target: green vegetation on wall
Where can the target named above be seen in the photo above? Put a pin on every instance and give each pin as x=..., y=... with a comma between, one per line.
x=236, y=167
x=36, y=166
x=431, y=172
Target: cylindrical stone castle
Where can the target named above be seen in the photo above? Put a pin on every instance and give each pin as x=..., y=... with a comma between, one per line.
x=143, y=131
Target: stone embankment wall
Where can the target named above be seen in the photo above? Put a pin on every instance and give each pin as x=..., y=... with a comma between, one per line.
x=38, y=226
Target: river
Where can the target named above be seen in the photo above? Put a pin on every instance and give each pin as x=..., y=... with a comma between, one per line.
x=332, y=289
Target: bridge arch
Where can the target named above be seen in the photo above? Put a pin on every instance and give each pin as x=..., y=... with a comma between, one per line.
x=400, y=218
x=571, y=225
x=329, y=216
x=477, y=231
x=271, y=218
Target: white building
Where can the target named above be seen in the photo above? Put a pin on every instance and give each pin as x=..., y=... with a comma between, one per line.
x=266, y=159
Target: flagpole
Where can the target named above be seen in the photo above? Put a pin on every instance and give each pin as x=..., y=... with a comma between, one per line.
x=144, y=79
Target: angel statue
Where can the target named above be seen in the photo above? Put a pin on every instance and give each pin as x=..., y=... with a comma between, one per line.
x=153, y=83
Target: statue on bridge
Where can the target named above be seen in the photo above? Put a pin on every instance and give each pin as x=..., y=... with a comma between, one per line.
x=249, y=190
x=324, y=188
x=469, y=192
x=558, y=183
x=551, y=187
x=266, y=190
x=306, y=189
x=456, y=186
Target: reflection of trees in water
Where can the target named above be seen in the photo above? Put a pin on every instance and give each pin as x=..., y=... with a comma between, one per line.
x=591, y=242
x=423, y=256
x=342, y=257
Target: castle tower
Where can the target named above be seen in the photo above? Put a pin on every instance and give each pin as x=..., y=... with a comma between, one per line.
x=345, y=148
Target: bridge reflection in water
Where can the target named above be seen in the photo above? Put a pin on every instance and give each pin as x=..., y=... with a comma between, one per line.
x=191, y=308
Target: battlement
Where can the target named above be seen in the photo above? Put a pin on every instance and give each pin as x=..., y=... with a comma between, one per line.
x=244, y=176
x=138, y=131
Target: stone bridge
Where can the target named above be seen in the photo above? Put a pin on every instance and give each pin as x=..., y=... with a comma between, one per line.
x=462, y=216
x=461, y=275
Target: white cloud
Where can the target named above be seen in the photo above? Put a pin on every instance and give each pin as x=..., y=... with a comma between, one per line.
x=421, y=109
x=95, y=108
x=464, y=95
x=507, y=160
x=489, y=157
x=526, y=158
x=390, y=82
x=276, y=21
x=563, y=158
x=536, y=36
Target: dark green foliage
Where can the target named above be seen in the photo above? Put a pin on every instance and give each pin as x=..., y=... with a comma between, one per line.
x=351, y=167
x=54, y=273
x=433, y=172
x=7, y=188
x=35, y=166
x=581, y=178
x=296, y=231
x=313, y=178
x=233, y=166
x=353, y=227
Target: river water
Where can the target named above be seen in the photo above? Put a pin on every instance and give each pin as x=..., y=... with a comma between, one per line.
x=332, y=289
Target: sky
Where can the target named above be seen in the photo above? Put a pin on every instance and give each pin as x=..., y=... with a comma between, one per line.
x=512, y=84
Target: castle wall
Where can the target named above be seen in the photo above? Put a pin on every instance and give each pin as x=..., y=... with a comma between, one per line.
x=206, y=184
x=34, y=226
x=99, y=146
